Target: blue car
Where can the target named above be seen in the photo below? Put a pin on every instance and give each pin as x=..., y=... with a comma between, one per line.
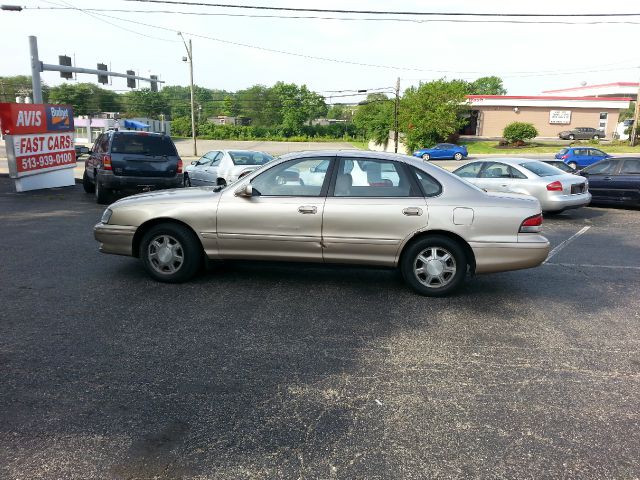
x=580, y=157
x=442, y=150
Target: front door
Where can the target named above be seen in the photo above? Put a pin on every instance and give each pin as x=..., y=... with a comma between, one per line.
x=283, y=218
x=372, y=207
x=601, y=183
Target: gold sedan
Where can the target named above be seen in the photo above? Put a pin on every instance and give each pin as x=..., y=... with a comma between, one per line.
x=351, y=207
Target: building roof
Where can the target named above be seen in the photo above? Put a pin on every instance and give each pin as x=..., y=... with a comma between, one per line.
x=589, y=87
x=549, y=101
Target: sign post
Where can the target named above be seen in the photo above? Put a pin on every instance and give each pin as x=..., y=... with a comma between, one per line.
x=39, y=139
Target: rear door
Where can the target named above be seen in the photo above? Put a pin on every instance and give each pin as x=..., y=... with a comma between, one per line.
x=627, y=182
x=142, y=154
x=373, y=205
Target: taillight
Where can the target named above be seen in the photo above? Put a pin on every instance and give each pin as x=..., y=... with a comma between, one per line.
x=106, y=162
x=564, y=157
x=179, y=170
x=555, y=186
x=531, y=224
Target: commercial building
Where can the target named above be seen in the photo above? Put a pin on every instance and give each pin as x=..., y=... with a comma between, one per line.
x=550, y=114
x=88, y=128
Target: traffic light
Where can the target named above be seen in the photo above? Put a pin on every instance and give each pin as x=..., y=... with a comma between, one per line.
x=154, y=83
x=131, y=82
x=65, y=61
x=103, y=78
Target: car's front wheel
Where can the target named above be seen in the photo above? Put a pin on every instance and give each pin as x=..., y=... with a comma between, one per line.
x=171, y=253
x=457, y=156
x=596, y=137
x=572, y=137
x=434, y=265
x=426, y=156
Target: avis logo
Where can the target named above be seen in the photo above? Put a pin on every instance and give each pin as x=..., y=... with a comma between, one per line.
x=59, y=118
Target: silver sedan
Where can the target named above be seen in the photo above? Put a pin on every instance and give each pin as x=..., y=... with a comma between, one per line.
x=362, y=208
x=222, y=167
x=556, y=190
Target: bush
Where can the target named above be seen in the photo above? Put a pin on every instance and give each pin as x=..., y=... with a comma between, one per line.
x=519, y=131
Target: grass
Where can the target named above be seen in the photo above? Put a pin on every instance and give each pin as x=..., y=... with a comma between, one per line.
x=492, y=148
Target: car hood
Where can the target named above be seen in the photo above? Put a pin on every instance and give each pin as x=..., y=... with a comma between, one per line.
x=175, y=195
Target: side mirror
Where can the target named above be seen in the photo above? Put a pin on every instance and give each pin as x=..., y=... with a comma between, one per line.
x=193, y=162
x=245, y=191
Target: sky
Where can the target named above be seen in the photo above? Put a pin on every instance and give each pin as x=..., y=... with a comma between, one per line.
x=233, y=53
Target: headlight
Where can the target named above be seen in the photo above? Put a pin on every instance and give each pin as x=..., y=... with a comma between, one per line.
x=106, y=216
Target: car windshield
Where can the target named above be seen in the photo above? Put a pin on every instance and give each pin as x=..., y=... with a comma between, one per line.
x=249, y=158
x=541, y=169
x=143, y=144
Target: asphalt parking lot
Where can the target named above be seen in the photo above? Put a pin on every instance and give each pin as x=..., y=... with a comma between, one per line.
x=260, y=371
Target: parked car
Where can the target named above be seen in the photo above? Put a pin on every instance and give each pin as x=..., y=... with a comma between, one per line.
x=615, y=181
x=561, y=165
x=582, y=133
x=580, y=157
x=81, y=150
x=432, y=225
x=221, y=167
x=556, y=190
x=131, y=161
x=442, y=150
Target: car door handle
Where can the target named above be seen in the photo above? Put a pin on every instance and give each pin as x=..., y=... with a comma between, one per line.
x=607, y=178
x=412, y=211
x=308, y=209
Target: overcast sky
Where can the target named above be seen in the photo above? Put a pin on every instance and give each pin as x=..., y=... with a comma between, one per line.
x=529, y=57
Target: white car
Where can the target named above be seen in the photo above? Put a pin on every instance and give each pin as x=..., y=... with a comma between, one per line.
x=223, y=167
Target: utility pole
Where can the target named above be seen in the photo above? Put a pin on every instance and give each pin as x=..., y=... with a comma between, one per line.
x=36, y=68
x=395, y=116
x=636, y=117
x=193, y=110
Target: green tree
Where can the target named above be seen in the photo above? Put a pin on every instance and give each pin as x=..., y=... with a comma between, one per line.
x=19, y=85
x=297, y=105
x=374, y=117
x=487, y=86
x=181, y=126
x=145, y=103
x=519, y=132
x=231, y=106
x=86, y=98
x=432, y=111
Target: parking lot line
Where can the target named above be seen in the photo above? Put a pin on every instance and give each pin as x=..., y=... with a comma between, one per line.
x=588, y=265
x=566, y=242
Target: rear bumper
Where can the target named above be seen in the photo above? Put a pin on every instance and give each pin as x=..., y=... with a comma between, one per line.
x=115, y=239
x=565, y=202
x=118, y=182
x=503, y=257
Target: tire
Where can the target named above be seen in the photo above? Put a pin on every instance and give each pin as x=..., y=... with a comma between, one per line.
x=171, y=253
x=186, y=180
x=572, y=137
x=102, y=194
x=221, y=182
x=573, y=165
x=426, y=157
x=596, y=137
x=87, y=184
x=457, y=156
x=449, y=269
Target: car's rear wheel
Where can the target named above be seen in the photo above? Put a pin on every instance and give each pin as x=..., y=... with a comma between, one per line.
x=457, y=156
x=573, y=165
x=187, y=180
x=102, y=194
x=572, y=137
x=426, y=156
x=434, y=265
x=87, y=184
x=171, y=253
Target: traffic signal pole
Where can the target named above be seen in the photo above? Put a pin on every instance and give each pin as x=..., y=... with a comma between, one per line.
x=37, y=67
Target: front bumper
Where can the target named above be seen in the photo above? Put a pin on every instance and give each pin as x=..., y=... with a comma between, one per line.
x=125, y=183
x=115, y=239
x=503, y=257
x=564, y=202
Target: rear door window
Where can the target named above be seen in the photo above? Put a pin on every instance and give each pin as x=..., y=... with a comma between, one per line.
x=470, y=170
x=373, y=178
x=631, y=166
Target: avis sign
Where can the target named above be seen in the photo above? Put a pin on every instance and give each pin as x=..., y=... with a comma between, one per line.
x=40, y=144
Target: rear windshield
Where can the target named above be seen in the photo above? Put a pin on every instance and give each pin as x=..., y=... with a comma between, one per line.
x=250, y=158
x=541, y=169
x=563, y=151
x=143, y=145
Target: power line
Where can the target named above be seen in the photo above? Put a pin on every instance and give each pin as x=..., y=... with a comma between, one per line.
x=351, y=19
x=382, y=12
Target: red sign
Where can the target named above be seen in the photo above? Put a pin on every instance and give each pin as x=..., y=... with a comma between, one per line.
x=42, y=151
x=24, y=118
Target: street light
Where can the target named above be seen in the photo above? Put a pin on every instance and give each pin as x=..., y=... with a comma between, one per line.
x=189, y=58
